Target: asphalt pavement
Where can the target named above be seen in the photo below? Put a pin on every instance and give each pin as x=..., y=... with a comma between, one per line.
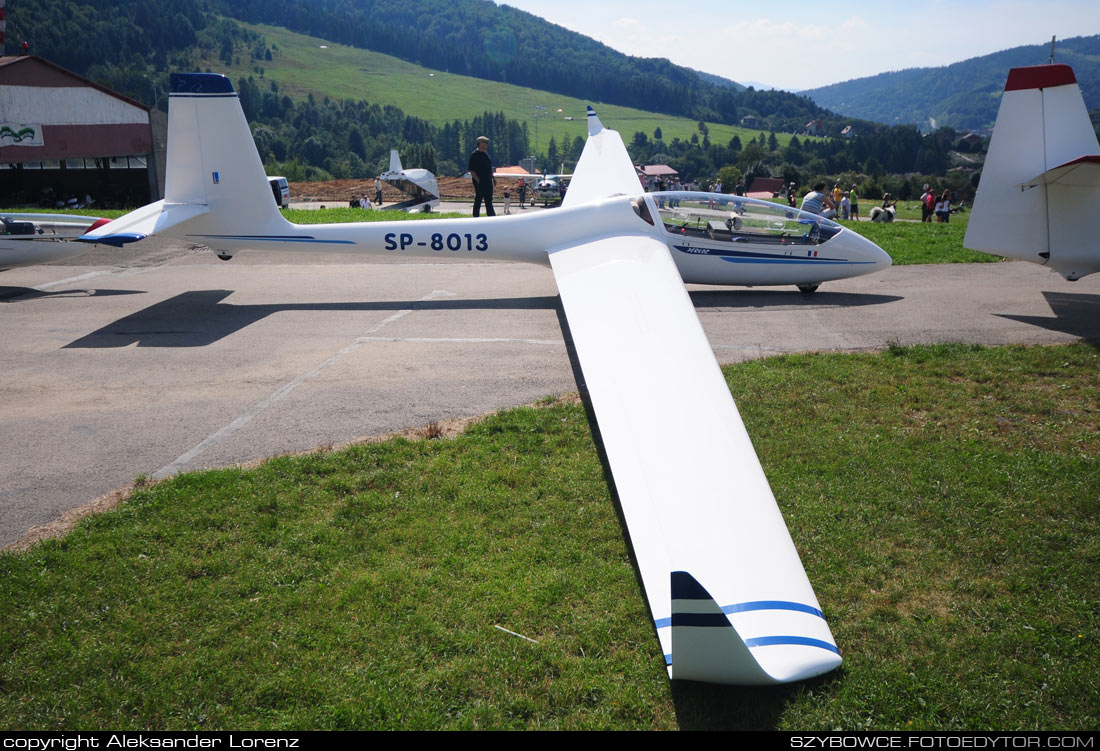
x=155, y=359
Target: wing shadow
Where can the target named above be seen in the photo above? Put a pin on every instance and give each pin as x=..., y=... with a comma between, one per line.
x=200, y=318
x=1075, y=314
x=22, y=294
x=784, y=298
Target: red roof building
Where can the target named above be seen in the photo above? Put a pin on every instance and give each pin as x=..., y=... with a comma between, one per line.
x=62, y=134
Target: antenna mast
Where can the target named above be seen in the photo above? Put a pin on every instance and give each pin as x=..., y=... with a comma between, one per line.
x=1052, y=50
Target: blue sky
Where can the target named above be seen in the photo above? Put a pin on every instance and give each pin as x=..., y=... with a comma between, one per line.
x=800, y=44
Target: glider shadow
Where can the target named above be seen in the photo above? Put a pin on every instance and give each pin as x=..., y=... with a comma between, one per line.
x=200, y=318
x=22, y=294
x=1075, y=314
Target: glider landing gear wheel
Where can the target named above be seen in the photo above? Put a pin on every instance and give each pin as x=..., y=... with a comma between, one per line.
x=807, y=289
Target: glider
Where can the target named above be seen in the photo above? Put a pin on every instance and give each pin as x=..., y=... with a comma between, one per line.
x=728, y=595
x=419, y=184
x=1041, y=182
x=28, y=239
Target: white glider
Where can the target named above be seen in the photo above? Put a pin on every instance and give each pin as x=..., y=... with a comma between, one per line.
x=1041, y=182
x=729, y=598
x=419, y=184
x=28, y=239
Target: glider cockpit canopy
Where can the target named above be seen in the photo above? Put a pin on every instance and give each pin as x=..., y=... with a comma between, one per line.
x=718, y=216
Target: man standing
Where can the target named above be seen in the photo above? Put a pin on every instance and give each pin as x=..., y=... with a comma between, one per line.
x=378, y=191
x=481, y=172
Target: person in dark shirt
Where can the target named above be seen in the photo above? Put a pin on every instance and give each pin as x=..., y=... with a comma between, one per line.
x=481, y=172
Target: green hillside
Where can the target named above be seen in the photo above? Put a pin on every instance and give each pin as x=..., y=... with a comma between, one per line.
x=964, y=95
x=302, y=65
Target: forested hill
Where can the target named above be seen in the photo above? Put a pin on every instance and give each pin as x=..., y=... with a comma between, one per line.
x=469, y=37
x=964, y=95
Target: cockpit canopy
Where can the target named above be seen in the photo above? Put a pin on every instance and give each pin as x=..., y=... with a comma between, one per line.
x=728, y=218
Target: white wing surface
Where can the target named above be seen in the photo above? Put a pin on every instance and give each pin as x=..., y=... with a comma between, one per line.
x=604, y=169
x=729, y=597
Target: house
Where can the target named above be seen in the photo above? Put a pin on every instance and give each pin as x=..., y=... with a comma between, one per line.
x=64, y=136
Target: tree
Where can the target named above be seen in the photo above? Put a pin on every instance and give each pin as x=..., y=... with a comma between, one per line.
x=657, y=135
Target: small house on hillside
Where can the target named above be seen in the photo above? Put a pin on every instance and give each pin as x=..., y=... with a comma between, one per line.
x=765, y=187
x=815, y=128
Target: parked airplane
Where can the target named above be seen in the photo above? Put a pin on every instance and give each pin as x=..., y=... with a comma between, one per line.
x=1041, y=182
x=27, y=239
x=419, y=184
x=543, y=187
x=729, y=598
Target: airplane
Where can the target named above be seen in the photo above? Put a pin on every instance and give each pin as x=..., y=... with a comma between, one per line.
x=730, y=600
x=419, y=184
x=545, y=187
x=28, y=239
x=1041, y=181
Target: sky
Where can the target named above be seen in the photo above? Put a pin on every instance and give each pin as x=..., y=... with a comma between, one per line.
x=799, y=44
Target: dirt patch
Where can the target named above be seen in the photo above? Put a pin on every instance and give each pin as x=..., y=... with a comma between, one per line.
x=341, y=192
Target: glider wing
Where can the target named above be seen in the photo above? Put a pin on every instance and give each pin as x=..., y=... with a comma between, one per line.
x=730, y=600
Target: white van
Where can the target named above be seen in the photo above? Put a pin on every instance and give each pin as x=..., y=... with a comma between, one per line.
x=281, y=190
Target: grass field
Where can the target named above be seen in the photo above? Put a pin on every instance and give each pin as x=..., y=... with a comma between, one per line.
x=944, y=500
x=301, y=66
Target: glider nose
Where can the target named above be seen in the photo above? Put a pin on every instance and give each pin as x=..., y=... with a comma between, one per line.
x=862, y=249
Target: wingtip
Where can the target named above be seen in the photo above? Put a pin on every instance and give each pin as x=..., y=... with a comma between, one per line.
x=594, y=124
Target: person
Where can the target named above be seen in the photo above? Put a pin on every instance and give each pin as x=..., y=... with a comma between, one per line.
x=816, y=201
x=792, y=195
x=507, y=200
x=887, y=203
x=845, y=207
x=523, y=194
x=926, y=201
x=378, y=191
x=739, y=189
x=364, y=203
x=855, y=203
x=837, y=193
x=481, y=172
x=945, y=207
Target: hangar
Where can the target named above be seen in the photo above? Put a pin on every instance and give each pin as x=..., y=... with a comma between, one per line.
x=63, y=138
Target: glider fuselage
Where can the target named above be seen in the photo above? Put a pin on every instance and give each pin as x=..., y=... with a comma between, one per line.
x=711, y=239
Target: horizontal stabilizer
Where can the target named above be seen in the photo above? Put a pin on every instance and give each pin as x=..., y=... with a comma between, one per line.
x=761, y=642
x=1081, y=172
x=143, y=222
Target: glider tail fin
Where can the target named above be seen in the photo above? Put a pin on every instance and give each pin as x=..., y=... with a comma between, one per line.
x=1041, y=175
x=762, y=642
x=214, y=177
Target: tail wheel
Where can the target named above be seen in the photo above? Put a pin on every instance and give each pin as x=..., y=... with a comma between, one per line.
x=807, y=289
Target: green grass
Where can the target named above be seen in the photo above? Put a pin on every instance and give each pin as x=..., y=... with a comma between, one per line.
x=301, y=67
x=916, y=243
x=944, y=500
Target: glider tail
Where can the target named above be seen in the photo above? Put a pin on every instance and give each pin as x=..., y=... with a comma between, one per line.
x=214, y=176
x=763, y=642
x=1041, y=177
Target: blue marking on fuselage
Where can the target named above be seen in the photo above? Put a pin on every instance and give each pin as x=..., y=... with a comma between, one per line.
x=276, y=238
x=748, y=256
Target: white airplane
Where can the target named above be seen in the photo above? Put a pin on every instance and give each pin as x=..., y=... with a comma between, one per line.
x=28, y=239
x=1041, y=182
x=419, y=184
x=729, y=598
